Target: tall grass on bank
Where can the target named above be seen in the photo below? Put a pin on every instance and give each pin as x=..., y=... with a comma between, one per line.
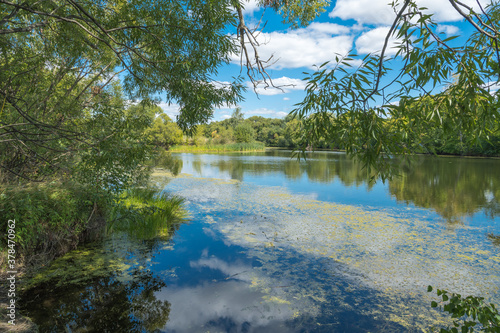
x=50, y=218
x=53, y=218
x=145, y=213
x=255, y=146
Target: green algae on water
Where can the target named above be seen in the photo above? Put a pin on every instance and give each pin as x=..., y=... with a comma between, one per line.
x=387, y=257
x=88, y=263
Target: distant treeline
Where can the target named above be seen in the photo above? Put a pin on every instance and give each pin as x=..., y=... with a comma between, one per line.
x=288, y=133
x=270, y=132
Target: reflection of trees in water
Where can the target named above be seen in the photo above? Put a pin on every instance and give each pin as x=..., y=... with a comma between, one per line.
x=101, y=297
x=350, y=172
x=325, y=168
x=197, y=164
x=105, y=305
x=164, y=159
x=454, y=188
x=292, y=169
x=235, y=168
x=492, y=208
x=318, y=167
x=495, y=239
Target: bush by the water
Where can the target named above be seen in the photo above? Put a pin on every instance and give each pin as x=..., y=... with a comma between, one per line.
x=53, y=218
x=50, y=218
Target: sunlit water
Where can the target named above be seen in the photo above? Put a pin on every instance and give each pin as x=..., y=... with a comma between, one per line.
x=276, y=245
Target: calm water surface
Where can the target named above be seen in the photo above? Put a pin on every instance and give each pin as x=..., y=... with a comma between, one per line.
x=277, y=245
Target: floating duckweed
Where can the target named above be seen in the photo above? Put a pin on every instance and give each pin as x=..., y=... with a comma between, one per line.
x=310, y=244
x=275, y=299
x=82, y=266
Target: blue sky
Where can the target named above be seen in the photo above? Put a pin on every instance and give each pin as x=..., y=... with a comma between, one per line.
x=357, y=25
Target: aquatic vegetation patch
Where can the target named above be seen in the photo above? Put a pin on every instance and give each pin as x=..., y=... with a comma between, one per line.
x=108, y=287
x=390, y=255
x=88, y=263
x=495, y=239
x=147, y=213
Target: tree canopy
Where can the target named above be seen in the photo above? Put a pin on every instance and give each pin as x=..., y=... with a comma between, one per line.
x=352, y=103
x=69, y=68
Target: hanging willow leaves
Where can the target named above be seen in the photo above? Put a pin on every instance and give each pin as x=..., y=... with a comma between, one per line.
x=380, y=109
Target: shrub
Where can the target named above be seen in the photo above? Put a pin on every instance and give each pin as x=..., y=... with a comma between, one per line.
x=468, y=313
x=51, y=218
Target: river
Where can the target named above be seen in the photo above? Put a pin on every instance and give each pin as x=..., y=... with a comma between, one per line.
x=279, y=245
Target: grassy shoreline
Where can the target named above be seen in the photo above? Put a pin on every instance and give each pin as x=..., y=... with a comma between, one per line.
x=51, y=219
x=55, y=218
x=260, y=147
x=232, y=147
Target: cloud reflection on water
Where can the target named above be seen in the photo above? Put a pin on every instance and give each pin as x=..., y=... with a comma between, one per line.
x=230, y=305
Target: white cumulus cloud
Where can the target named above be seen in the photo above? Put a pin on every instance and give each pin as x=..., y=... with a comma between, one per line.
x=284, y=84
x=380, y=12
x=250, y=6
x=172, y=109
x=304, y=47
x=363, y=11
x=373, y=41
x=327, y=28
x=448, y=30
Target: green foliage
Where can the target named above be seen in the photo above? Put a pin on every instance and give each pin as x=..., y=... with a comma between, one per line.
x=254, y=146
x=61, y=106
x=291, y=133
x=53, y=218
x=223, y=136
x=469, y=313
x=115, y=161
x=271, y=132
x=351, y=105
x=244, y=133
x=297, y=12
x=236, y=117
x=147, y=213
x=50, y=218
x=199, y=140
x=446, y=137
x=164, y=132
